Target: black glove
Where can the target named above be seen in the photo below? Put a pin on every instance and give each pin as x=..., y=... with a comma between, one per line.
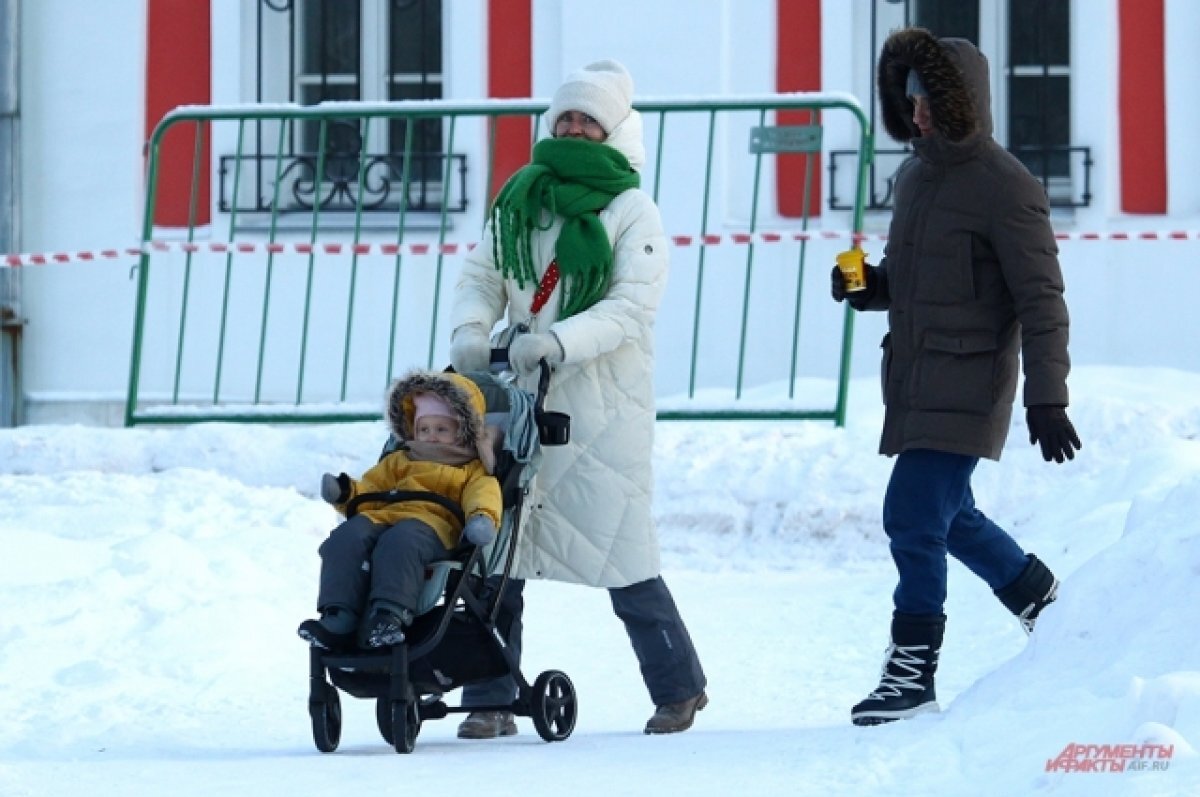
x=335, y=489
x=1050, y=426
x=858, y=299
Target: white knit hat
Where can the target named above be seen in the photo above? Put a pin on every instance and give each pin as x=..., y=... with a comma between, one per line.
x=603, y=90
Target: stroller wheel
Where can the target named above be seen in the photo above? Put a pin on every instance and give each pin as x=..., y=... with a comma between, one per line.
x=383, y=719
x=553, y=707
x=399, y=722
x=326, y=720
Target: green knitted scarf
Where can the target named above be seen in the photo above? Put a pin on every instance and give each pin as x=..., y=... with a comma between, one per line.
x=575, y=179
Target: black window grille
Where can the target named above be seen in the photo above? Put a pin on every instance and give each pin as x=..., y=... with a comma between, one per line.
x=314, y=51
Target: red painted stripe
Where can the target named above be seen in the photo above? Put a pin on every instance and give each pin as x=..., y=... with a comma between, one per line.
x=510, y=74
x=798, y=68
x=178, y=72
x=1142, y=114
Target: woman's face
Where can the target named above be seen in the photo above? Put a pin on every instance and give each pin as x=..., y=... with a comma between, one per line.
x=577, y=124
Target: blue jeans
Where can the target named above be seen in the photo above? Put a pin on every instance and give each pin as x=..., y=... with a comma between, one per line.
x=929, y=511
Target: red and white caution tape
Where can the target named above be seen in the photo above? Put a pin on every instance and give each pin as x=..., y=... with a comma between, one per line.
x=1139, y=235
x=393, y=250
x=46, y=258
x=235, y=247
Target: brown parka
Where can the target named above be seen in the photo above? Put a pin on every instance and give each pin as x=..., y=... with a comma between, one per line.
x=970, y=272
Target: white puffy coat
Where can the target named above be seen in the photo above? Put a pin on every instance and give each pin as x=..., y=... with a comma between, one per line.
x=588, y=519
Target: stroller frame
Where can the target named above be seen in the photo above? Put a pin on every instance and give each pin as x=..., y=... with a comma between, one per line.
x=456, y=642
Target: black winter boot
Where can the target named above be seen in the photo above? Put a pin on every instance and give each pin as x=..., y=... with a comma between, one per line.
x=906, y=680
x=1031, y=592
x=334, y=631
x=387, y=624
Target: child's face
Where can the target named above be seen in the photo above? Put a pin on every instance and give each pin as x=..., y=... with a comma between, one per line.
x=436, y=429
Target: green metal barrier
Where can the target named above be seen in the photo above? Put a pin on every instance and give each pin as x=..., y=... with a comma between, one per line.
x=310, y=290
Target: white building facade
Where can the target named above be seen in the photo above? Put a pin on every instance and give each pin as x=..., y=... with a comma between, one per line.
x=1097, y=96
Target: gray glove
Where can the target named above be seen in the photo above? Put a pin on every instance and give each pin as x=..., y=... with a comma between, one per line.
x=527, y=351
x=470, y=349
x=335, y=489
x=479, y=530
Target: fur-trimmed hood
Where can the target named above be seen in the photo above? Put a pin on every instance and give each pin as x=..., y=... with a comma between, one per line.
x=465, y=400
x=954, y=73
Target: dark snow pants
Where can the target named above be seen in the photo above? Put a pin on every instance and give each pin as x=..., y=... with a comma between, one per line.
x=929, y=511
x=362, y=562
x=669, y=664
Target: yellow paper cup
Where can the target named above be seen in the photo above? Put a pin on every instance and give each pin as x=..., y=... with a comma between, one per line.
x=852, y=263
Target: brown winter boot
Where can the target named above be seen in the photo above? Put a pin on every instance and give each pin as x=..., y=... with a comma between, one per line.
x=676, y=717
x=487, y=725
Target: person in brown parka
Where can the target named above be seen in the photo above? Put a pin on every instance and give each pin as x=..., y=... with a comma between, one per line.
x=970, y=277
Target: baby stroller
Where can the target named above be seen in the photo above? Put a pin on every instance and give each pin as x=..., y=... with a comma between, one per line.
x=458, y=634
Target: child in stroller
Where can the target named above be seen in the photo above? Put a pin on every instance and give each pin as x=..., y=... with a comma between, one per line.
x=459, y=627
x=377, y=557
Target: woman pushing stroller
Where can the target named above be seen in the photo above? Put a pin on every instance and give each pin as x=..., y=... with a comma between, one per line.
x=373, y=564
x=575, y=255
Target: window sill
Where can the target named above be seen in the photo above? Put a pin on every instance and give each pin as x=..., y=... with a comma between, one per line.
x=370, y=221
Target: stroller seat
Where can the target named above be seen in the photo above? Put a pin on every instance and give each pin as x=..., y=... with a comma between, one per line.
x=511, y=453
x=458, y=633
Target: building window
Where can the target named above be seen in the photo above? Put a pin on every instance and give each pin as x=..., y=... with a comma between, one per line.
x=1038, y=75
x=314, y=51
x=1028, y=45
x=1033, y=101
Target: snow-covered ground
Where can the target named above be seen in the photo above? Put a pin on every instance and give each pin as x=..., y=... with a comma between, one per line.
x=152, y=580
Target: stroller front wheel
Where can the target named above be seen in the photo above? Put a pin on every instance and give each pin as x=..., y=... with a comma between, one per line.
x=399, y=722
x=554, y=706
x=383, y=719
x=326, y=718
